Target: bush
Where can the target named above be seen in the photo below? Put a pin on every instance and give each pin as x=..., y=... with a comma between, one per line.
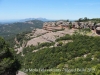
x=66, y=37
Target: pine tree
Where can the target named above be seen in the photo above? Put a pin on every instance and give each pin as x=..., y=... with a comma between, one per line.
x=8, y=64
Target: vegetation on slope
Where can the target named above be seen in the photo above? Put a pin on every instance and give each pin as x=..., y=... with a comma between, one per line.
x=83, y=52
x=10, y=30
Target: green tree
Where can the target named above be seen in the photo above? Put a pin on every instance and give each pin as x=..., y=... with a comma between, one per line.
x=8, y=64
x=85, y=18
x=96, y=70
x=67, y=20
x=80, y=19
x=60, y=43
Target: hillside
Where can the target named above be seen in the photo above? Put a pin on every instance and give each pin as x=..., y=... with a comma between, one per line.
x=63, y=50
x=10, y=30
x=80, y=51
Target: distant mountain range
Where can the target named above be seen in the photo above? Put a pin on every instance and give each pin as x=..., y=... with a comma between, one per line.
x=42, y=19
x=27, y=19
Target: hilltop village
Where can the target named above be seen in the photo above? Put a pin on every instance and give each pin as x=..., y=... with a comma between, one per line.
x=60, y=25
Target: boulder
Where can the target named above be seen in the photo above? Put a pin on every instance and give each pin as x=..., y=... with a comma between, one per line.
x=21, y=73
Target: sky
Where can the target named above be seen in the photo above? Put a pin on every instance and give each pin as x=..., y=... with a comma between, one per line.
x=50, y=9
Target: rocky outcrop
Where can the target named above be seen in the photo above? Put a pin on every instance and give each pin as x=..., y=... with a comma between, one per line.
x=62, y=24
x=98, y=24
x=21, y=73
x=50, y=26
x=55, y=25
x=98, y=30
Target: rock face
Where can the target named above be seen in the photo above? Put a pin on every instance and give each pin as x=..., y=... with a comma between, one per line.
x=48, y=37
x=21, y=73
x=98, y=30
x=50, y=26
x=98, y=24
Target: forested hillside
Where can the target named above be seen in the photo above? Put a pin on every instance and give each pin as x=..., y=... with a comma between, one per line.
x=10, y=30
x=82, y=53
